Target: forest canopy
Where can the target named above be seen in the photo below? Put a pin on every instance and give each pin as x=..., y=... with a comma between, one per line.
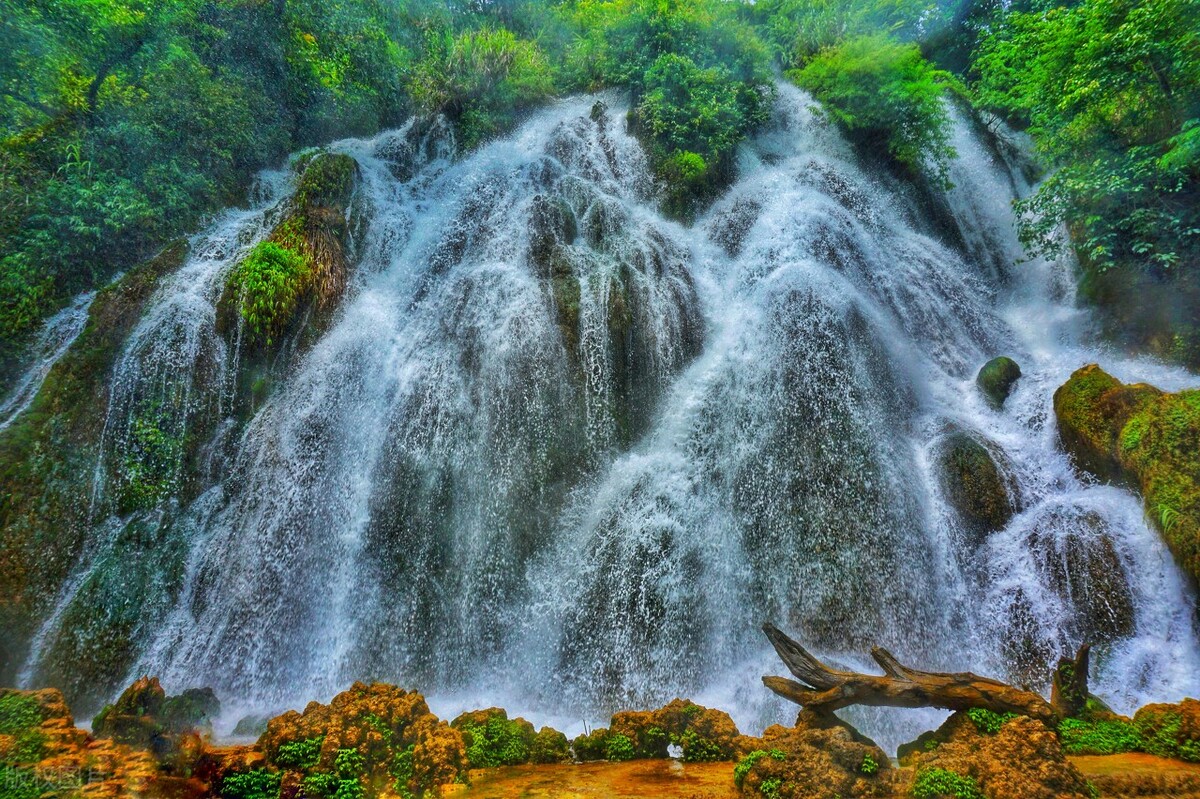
x=126, y=123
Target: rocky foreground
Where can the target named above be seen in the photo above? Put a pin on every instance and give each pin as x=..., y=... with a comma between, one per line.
x=382, y=741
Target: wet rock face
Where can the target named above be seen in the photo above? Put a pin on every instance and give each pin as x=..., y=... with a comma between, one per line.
x=1021, y=760
x=819, y=758
x=1139, y=436
x=371, y=736
x=974, y=485
x=996, y=379
x=47, y=458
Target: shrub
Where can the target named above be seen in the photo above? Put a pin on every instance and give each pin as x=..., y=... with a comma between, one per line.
x=257, y=784
x=1102, y=737
x=269, y=284
x=884, y=92
x=618, y=748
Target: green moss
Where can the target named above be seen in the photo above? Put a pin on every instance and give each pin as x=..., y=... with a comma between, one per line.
x=1100, y=737
x=257, y=784
x=591, y=746
x=550, y=746
x=327, y=179
x=989, y=722
x=48, y=457
x=1138, y=435
x=996, y=379
x=936, y=783
x=300, y=754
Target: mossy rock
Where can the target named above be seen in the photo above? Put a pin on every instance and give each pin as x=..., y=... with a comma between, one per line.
x=1171, y=730
x=591, y=746
x=1139, y=436
x=492, y=739
x=996, y=379
x=302, y=264
x=974, y=484
x=369, y=739
x=550, y=746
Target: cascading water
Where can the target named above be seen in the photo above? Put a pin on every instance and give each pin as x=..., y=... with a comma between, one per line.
x=53, y=341
x=559, y=453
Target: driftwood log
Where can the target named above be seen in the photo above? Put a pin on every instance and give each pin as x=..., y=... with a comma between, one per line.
x=824, y=690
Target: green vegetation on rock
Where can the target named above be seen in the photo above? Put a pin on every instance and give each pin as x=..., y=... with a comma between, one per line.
x=256, y=784
x=1145, y=438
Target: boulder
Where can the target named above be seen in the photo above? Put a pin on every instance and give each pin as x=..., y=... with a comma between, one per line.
x=1171, y=730
x=974, y=484
x=820, y=758
x=370, y=736
x=1139, y=436
x=1012, y=757
x=996, y=379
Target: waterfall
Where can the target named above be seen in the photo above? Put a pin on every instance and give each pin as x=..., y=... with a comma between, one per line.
x=52, y=342
x=558, y=452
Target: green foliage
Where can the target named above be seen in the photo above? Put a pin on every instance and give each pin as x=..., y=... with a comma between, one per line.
x=618, y=748
x=1160, y=736
x=1101, y=737
x=1110, y=91
x=480, y=79
x=348, y=764
x=770, y=788
x=269, y=284
x=302, y=754
x=885, y=93
x=868, y=765
x=402, y=771
x=152, y=456
x=498, y=742
x=987, y=721
x=935, y=783
x=699, y=74
x=319, y=784
x=699, y=750
x=257, y=784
